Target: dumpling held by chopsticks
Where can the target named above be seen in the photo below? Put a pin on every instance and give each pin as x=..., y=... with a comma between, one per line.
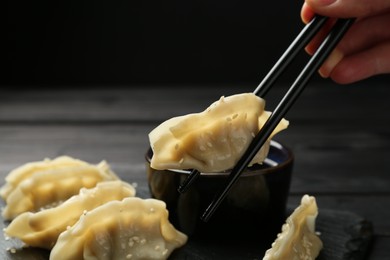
x=213, y=140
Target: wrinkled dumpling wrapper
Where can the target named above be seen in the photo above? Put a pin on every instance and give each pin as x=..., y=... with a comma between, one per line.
x=213, y=140
x=50, y=187
x=131, y=229
x=26, y=170
x=42, y=229
x=298, y=239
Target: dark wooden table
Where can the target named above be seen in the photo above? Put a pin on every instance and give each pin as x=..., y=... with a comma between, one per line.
x=340, y=136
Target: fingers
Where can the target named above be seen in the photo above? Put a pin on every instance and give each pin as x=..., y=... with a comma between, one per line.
x=365, y=50
x=362, y=65
x=331, y=62
x=365, y=33
x=362, y=35
x=306, y=13
x=345, y=8
x=319, y=37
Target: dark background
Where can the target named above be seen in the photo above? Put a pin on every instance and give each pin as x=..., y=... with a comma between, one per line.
x=131, y=42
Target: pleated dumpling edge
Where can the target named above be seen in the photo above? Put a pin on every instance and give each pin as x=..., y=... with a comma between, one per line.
x=212, y=140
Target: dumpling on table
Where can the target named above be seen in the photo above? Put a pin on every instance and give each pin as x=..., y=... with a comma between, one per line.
x=26, y=170
x=50, y=187
x=129, y=229
x=298, y=239
x=213, y=140
x=42, y=229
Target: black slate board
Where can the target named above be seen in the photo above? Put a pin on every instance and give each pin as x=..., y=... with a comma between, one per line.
x=346, y=236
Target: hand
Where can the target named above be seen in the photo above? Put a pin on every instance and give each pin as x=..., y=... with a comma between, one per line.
x=365, y=49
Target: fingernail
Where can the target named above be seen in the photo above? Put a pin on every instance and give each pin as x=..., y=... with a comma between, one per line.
x=334, y=58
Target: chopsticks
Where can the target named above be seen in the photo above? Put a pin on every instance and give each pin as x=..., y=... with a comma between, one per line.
x=308, y=32
x=280, y=66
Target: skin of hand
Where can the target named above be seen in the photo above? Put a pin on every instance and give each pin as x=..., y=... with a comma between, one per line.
x=364, y=51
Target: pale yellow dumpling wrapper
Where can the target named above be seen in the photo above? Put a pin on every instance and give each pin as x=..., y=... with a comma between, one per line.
x=26, y=170
x=47, y=188
x=42, y=229
x=131, y=229
x=213, y=140
x=298, y=239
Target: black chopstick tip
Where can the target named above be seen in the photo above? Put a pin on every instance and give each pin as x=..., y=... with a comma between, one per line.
x=210, y=210
x=206, y=216
x=182, y=188
x=208, y=213
x=188, y=181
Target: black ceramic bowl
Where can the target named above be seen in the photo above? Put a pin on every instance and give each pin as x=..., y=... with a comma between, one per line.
x=253, y=209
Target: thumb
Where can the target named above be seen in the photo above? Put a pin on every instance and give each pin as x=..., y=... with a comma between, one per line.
x=348, y=8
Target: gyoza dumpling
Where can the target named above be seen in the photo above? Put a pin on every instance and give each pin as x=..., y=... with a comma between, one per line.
x=42, y=229
x=298, y=239
x=213, y=140
x=130, y=229
x=19, y=174
x=50, y=187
